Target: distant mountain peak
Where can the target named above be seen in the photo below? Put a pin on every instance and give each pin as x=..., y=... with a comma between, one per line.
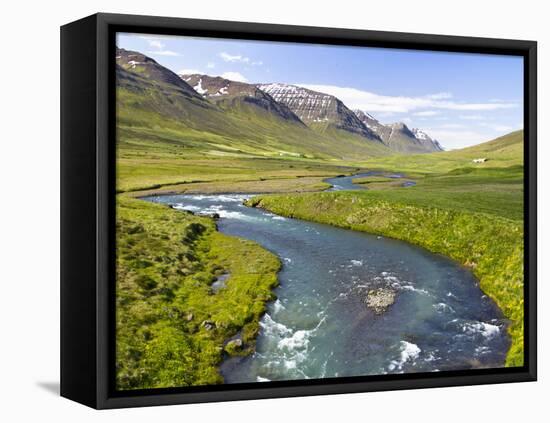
x=219, y=90
x=398, y=136
x=315, y=107
x=141, y=65
x=216, y=86
x=426, y=139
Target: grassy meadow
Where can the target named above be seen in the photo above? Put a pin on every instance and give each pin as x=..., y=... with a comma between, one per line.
x=174, y=330
x=173, y=326
x=167, y=260
x=472, y=213
x=490, y=244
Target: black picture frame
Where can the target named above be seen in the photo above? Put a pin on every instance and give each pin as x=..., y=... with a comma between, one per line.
x=88, y=195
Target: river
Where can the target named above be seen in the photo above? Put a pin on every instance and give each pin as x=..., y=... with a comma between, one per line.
x=320, y=326
x=345, y=183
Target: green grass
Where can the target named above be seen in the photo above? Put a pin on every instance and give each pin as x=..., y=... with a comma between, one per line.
x=167, y=173
x=261, y=185
x=156, y=119
x=380, y=182
x=497, y=191
x=166, y=138
x=171, y=326
x=167, y=259
x=473, y=217
x=472, y=213
x=505, y=151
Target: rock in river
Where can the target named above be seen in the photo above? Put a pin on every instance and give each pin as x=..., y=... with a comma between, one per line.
x=380, y=299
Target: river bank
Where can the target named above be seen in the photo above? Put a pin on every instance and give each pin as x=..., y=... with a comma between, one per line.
x=491, y=247
x=330, y=319
x=172, y=324
x=413, y=200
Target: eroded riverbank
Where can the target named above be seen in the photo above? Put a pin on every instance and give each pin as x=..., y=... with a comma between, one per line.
x=320, y=325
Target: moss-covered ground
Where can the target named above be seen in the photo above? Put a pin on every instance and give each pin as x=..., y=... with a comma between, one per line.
x=171, y=326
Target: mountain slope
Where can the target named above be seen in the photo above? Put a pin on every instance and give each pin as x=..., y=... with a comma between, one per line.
x=399, y=137
x=502, y=152
x=227, y=93
x=158, y=113
x=318, y=110
x=508, y=146
x=429, y=142
x=138, y=63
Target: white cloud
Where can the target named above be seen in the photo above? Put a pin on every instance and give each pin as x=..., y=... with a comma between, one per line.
x=440, y=96
x=211, y=65
x=234, y=76
x=427, y=113
x=452, y=139
x=451, y=126
x=454, y=136
x=371, y=102
x=498, y=127
x=156, y=37
x=163, y=53
x=471, y=117
x=156, y=44
x=237, y=58
x=226, y=57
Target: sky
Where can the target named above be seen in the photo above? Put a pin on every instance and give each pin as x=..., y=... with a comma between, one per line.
x=457, y=98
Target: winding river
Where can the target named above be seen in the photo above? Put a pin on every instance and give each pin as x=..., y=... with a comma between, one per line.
x=345, y=183
x=320, y=325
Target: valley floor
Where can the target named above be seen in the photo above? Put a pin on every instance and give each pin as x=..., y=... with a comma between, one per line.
x=173, y=331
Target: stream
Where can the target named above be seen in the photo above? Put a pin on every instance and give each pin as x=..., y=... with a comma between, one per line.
x=320, y=325
x=345, y=183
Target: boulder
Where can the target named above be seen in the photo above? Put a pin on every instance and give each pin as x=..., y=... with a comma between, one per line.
x=234, y=346
x=208, y=324
x=380, y=299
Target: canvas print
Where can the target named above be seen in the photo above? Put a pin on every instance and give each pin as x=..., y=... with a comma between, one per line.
x=291, y=211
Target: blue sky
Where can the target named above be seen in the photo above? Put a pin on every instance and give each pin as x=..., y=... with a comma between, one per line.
x=459, y=99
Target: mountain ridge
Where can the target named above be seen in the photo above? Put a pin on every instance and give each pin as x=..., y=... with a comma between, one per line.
x=140, y=64
x=219, y=89
x=314, y=108
x=214, y=103
x=398, y=136
x=158, y=111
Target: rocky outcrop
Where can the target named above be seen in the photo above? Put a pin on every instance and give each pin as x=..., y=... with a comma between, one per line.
x=399, y=137
x=229, y=93
x=313, y=108
x=380, y=299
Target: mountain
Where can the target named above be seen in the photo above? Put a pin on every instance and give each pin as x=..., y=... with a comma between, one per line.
x=228, y=93
x=428, y=141
x=144, y=66
x=318, y=110
x=160, y=114
x=399, y=137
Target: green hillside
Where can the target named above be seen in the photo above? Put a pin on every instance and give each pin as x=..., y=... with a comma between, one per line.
x=162, y=129
x=501, y=152
x=171, y=139
x=470, y=212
